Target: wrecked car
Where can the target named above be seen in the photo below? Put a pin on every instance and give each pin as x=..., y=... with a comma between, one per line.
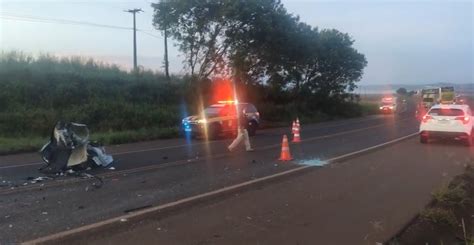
x=69, y=148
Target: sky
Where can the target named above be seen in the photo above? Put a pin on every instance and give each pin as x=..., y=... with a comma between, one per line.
x=404, y=41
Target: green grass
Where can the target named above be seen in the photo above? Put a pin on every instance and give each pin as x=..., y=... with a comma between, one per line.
x=21, y=144
x=32, y=144
x=439, y=216
x=452, y=195
x=369, y=108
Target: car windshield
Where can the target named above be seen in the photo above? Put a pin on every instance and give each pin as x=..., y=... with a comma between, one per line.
x=448, y=112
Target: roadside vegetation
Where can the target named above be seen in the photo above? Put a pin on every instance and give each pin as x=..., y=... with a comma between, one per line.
x=282, y=65
x=449, y=217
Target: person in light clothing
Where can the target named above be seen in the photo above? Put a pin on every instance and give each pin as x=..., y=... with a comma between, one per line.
x=242, y=133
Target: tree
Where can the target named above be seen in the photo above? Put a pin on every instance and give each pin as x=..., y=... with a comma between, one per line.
x=198, y=26
x=402, y=91
x=260, y=43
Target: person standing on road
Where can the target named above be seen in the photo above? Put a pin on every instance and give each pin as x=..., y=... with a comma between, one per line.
x=242, y=133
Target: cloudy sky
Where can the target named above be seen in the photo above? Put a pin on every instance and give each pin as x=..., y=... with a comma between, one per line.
x=404, y=41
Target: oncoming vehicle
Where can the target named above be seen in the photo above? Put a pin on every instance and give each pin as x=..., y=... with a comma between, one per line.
x=447, y=121
x=388, y=105
x=221, y=118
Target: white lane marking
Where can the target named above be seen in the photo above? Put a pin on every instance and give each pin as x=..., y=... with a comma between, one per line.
x=220, y=141
x=163, y=207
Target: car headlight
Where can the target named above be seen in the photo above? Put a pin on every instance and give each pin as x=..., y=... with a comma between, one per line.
x=381, y=108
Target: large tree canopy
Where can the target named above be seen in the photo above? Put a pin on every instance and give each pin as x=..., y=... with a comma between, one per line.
x=259, y=42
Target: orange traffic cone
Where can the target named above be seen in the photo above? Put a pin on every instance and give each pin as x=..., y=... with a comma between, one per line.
x=296, y=135
x=293, y=127
x=298, y=123
x=285, y=150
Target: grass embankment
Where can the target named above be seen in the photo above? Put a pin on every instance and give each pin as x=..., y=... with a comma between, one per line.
x=34, y=143
x=448, y=219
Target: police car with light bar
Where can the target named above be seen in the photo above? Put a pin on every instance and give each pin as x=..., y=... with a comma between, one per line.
x=221, y=118
x=448, y=121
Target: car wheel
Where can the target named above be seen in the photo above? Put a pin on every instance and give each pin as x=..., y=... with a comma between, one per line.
x=252, y=128
x=423, y=139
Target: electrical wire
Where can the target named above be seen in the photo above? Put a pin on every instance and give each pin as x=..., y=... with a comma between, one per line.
x=36, y=19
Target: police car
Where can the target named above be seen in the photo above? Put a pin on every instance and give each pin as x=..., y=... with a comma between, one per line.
x=221, y=118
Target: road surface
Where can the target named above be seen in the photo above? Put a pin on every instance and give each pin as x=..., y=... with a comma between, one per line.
x=364, y=200
x=154, y=173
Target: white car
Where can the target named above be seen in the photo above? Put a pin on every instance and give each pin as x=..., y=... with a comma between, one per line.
x=448, y=121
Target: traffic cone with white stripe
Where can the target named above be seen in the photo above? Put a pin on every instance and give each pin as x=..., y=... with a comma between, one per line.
x=285, y=150
x=293, y=127
x=296, y=134
x=298, y=123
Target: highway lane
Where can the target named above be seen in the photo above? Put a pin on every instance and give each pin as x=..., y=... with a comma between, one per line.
x=51, y=209
x=17, y=168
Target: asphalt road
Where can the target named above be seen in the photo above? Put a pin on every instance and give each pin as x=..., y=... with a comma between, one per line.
x=364, y=200
x=154, y=173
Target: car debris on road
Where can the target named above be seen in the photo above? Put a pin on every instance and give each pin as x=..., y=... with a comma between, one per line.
x=69, y=149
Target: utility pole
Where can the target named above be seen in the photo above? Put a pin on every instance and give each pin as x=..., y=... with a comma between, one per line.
x=167, y=64
x=134, y=11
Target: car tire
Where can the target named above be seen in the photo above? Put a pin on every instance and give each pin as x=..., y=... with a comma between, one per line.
x=252, y=128
x=424, y=139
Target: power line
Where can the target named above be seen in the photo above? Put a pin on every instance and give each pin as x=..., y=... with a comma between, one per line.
x=37, y=19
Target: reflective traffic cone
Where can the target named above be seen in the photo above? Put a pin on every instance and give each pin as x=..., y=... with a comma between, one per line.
x=296, y=135
x=293, y=127
x=298, y=123
x=285, y=150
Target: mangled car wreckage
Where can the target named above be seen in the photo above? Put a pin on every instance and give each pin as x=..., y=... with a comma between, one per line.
x=69, y=148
